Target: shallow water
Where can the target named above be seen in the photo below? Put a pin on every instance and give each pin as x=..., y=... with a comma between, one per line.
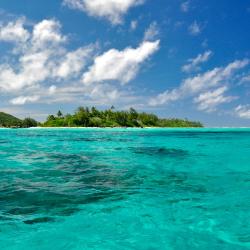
x=125, y=189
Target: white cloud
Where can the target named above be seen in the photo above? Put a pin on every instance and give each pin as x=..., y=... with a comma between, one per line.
x=194, y=63
x=165, y=97
x=95, y=94
x=194, y=29
x=113, y=10
x=185, y=6
x=245, y=79
x=73, y=62
x=152, y=32
x=213, y=77
x=32, y=70
x=209, y=101
x=243, y=111
x=122, y=66
x=14, y=31
x=42, y=69
x=42, y=58
x=103, y=92
x=21, y=100
x=200, y=83
x=47, y=33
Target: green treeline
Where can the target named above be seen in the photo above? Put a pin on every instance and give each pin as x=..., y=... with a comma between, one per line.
x=91, y=117
x=9, y=121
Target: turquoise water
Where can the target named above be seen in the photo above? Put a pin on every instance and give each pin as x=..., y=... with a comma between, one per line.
x=125, y=189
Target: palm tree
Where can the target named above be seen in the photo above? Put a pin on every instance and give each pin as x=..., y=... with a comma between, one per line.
x=59, y=114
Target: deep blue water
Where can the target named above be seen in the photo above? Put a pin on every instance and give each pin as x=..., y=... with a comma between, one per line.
x=172, y=189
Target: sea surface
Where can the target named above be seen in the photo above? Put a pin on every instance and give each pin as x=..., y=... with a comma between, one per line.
x=141, y=189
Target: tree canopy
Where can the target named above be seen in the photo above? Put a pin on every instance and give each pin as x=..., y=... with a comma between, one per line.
x=92, y=117
x=10, y=121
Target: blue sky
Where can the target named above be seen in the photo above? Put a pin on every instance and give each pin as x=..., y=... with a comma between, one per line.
x=186, y=59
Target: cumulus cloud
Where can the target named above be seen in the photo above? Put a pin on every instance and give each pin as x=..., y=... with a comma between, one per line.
x=195, y=85
x=194, y=63
x=152, y=32
x=14, y=31
x=47, y=33
x=194, y=29
x=21, y=100
x=42, y=57
x=31, y=71
x=113, y=10
x=209, y=101
x=121, y=66
x=243, y=111
x=73, y=62
x=41, y=68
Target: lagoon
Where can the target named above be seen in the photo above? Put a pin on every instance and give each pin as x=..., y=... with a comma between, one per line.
x=170, y=189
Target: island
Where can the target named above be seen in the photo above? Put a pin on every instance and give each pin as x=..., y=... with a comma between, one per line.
x=92, y=117
x=10, y=121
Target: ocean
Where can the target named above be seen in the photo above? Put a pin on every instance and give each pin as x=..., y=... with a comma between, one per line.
x=141, y=189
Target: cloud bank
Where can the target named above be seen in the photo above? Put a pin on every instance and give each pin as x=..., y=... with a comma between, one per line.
x=42, y=68
x=209, y=86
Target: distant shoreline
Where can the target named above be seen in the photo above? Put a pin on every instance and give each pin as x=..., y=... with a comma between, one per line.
x=105, y=128
x=85, y=117
x=133, y=128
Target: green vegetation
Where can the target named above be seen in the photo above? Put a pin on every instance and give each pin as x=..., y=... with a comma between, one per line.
x=29, y=122
x=91, y=117
x=9, y=121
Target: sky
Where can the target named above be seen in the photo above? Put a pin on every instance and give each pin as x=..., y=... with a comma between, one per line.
x=175, y=58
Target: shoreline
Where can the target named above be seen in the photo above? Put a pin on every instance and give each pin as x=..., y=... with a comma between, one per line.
x=133, y=128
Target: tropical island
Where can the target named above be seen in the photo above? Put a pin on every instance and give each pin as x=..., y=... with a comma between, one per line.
x=92, y=117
